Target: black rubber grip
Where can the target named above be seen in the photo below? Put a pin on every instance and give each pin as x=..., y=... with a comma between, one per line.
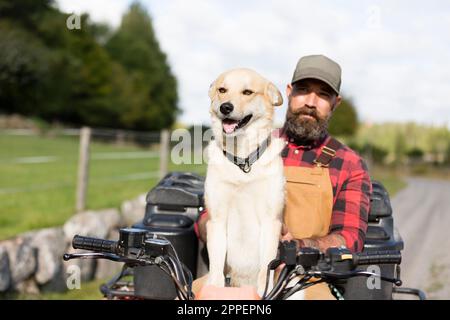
x=94, y=244
x=379, y=257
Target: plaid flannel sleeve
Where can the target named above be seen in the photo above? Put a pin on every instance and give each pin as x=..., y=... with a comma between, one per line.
x=351, y=208
x=202, y=215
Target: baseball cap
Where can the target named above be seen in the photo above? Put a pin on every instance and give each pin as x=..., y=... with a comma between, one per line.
x=318, y=67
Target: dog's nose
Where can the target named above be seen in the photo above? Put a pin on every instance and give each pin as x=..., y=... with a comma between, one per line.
x=226, y=108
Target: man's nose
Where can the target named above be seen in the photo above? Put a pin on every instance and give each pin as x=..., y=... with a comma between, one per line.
x=226, y=108
x=311, y=100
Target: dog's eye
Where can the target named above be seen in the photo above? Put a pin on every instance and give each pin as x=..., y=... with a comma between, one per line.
x=222, y=90
x=247, y=92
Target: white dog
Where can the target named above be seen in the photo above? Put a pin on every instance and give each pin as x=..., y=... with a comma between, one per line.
x=244, y=188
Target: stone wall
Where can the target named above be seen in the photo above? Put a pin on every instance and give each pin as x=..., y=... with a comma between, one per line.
x=32, y=262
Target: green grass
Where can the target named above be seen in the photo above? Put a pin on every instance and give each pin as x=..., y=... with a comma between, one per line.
x=88, y=291
x=392, y=179
x=38, y=195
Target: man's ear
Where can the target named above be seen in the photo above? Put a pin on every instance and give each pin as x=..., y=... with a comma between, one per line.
x=212, y=90
x=273, y=94
x=288, y=90
x=338, y=102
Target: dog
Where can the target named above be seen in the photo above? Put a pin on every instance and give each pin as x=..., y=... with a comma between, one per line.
x=244, y=195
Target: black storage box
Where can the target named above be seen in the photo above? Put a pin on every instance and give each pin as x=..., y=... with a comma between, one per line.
x=172, y=208
x=381, y=236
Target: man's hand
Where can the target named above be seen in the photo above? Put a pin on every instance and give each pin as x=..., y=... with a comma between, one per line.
x=321, y=243
x=287, y=236
x=331, y=240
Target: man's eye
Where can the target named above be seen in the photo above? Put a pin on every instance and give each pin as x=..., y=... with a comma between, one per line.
x=222, y=90
x=247, y=92
x=325, y=94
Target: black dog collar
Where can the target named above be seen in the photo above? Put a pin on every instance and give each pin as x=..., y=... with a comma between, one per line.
x=246, y=164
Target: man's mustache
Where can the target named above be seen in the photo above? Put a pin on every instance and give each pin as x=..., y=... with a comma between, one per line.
x=306, y=112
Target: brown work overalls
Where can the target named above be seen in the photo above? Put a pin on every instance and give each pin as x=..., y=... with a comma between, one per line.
x=307, y=214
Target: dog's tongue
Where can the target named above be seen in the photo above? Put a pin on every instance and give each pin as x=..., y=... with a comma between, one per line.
x=229, y=125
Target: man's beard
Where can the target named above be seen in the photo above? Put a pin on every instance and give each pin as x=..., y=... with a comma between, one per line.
x=304, y=130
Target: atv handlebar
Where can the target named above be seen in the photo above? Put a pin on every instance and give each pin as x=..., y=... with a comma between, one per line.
x=139, y=247
x=94, y=244
x=378, y=257
x=308, y=264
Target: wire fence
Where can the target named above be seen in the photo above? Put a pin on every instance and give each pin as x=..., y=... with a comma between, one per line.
x=78, y=158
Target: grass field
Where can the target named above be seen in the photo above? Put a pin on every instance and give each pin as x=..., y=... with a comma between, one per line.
x=88, y=291
x=391, y=178
x=36, y=194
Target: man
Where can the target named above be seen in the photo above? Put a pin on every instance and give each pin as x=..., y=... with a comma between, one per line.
x=327, y=184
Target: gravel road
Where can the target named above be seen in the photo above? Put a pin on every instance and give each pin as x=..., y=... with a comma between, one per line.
x=422, y=216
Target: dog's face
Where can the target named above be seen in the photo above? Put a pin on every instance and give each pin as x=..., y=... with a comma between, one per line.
x=240, y=99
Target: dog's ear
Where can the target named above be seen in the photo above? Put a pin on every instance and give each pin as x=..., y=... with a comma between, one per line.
x=212, y=90
x=274, y=94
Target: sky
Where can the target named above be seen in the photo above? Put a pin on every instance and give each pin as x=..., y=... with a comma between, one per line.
x=394, y=54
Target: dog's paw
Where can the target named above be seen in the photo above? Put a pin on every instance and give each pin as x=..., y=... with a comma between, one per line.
x=216, y=280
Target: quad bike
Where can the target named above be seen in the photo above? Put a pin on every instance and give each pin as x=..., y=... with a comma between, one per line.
x=161, y=255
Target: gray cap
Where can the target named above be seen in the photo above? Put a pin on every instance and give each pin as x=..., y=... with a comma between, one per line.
x=321, y=68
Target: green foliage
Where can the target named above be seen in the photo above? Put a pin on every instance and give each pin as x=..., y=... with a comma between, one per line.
x=398, y=139
x=344, y=121
x=415, y=153
x=78, y=76
x=24, y=60
x=447, y=153
x=153, y=86
x=399, y=147
x=370, y=152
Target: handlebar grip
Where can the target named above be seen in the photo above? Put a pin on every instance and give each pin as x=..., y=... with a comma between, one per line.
x=379, y=257
x=94, y=244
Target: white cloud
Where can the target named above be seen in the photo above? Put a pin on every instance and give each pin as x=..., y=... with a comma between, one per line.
x=394, y=55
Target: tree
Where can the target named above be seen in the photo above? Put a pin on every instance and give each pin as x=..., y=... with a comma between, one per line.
x=51, y=72
x=399, y=146
x=344, y=121
x=447, y=152
x=135, y=46
x=54, y=73
x=24, y=61
x=415, y=153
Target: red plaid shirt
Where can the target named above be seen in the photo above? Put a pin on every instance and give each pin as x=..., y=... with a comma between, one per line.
x=351, y=189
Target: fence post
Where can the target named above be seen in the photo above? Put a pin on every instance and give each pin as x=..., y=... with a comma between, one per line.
x=83, y=168
x=164, y=152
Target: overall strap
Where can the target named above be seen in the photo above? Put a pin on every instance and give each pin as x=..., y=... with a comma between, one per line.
x=327, y=153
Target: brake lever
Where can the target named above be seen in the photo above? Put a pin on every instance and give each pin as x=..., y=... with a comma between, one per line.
x=106, y=256
x=91, y=255
x=398, y=282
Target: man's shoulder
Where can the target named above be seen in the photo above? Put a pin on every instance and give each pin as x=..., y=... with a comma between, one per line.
x=349, y=156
